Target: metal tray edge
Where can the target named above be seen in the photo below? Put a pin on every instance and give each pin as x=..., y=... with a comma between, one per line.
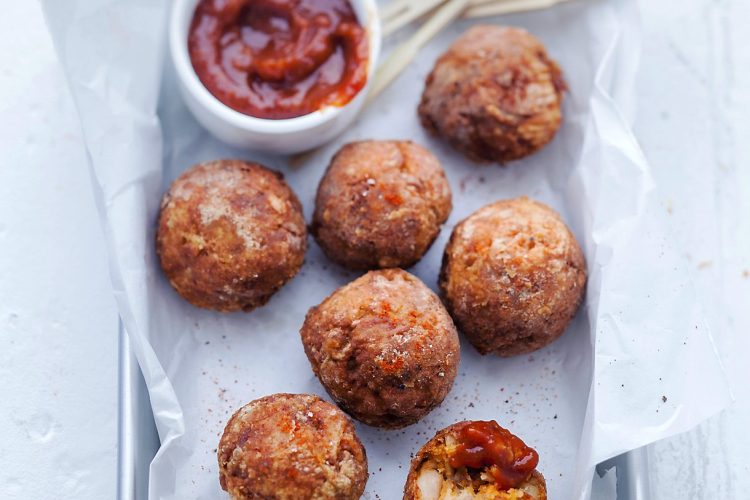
x=137, y=438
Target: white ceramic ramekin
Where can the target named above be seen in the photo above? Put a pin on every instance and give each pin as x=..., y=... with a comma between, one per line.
x=290, y=135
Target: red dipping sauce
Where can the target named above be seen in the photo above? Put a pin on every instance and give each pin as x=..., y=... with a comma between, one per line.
x=487, y=445
x=279, y=58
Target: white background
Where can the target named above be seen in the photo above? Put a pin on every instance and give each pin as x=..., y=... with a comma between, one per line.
x=58, y=321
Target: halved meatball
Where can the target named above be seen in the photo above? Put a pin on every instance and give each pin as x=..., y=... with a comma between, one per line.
x=475, y=460
x=291, y=446
x=495, y=95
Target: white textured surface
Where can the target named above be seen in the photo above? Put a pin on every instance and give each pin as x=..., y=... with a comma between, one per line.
x=57, y=319
x=58, y=413
x=694, y=103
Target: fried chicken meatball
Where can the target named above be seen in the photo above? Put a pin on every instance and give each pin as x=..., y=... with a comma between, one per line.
x=230, y=234
x=475, y=460
x=291, y=446
x=495, y=95
x=513, y=277
x=380, y=204
x=384, y=347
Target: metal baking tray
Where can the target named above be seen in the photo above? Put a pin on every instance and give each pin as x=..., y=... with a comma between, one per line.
x=138, y=440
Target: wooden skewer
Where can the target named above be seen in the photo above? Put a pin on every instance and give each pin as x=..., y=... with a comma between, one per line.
x=483, y=2
x=403, y=13
x=392, y=9
x=405, y=16
x=489, y=8
x=407, y=51
x=399, y=13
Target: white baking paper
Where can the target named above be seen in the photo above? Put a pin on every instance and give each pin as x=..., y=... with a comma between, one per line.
x=637, y=364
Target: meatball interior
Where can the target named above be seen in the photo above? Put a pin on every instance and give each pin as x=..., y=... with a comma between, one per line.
x=291, y=446
x=380, y=204
x=433, y=477
x=384, y=347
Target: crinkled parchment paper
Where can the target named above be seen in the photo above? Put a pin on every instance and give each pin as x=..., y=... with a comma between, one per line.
x=637, y=364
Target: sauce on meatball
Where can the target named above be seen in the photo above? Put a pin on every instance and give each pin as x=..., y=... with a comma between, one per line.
x=486, y=445
x=475, y=460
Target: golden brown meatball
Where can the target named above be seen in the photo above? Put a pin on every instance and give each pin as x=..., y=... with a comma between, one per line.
x=513, y=276
x=291, y=446
x=494, y=95
x=384, y=347
x=475, y=460
x=380, y=204
x=230, y=234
